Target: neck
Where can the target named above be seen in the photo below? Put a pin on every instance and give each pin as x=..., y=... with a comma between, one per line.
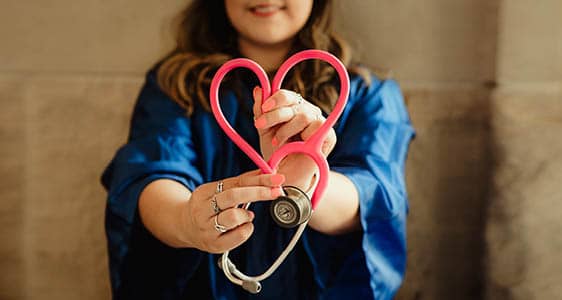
x=269, y=57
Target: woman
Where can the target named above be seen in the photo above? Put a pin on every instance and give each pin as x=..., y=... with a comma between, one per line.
x=173, y=189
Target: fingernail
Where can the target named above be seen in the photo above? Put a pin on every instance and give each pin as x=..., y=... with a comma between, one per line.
x=268, y=105
x=277, y=179
x=260, y=122
x=274, y=142
x=275, y=192
x=252, y=215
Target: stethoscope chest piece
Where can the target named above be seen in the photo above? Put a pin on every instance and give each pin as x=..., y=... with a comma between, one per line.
x=291, y=210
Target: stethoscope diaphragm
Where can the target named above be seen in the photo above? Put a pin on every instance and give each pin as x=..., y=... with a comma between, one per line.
x=292, y=209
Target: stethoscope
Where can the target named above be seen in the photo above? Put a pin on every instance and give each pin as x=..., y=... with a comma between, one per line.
x=294, y=208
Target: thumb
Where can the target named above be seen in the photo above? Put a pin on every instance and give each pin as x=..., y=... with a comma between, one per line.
x=257, y=94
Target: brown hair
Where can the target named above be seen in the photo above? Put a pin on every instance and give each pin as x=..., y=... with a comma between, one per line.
x=205, y=40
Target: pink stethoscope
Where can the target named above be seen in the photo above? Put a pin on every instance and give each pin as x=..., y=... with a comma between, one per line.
x=286, y=211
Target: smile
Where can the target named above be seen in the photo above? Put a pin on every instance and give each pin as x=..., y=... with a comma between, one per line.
x=266, y=10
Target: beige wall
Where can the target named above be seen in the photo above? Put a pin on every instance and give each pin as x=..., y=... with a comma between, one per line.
x=483, y=81
x=524, y=215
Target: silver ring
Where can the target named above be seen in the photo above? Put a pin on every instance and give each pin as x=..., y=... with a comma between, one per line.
x=218, y=227
x=215, y=206
x=219, y=187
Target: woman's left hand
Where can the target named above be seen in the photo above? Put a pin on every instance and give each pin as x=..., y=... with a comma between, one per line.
x=285, y=116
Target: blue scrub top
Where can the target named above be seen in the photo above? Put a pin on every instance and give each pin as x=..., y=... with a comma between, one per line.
x=373, y=133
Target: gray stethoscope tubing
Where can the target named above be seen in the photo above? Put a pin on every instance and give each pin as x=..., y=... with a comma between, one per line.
x=252, y=283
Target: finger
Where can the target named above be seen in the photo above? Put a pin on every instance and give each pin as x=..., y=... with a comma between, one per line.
x=280, y=99
x=257, y=94
x=329, y=143
x=293, y=127
x=330, y=140
x=274, y=117
x=312, y=128
x=253, y=178
x=241, y=195
x=250, y=178
x=234, y=238
x=210, y=188
x=234, y=217
x=267, y=180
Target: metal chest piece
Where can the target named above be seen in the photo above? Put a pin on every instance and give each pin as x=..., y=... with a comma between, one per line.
x=291, y=210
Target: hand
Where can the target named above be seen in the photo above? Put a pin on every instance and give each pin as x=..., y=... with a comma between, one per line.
x=284, y=117
x=199, y=215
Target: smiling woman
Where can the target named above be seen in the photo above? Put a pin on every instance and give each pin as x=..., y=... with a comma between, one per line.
x=266, y=29
x=176, y=187
x=205, y=39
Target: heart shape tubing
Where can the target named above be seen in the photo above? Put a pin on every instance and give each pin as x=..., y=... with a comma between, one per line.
x=313, y=146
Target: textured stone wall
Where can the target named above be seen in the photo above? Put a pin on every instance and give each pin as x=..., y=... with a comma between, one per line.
x=69, y=74
x=443, y=53
x=524, y=221
x=483, y=83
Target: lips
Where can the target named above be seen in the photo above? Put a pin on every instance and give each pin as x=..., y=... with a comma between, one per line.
x=266, y=10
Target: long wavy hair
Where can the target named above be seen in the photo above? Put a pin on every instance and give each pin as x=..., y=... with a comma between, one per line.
x=205, y=40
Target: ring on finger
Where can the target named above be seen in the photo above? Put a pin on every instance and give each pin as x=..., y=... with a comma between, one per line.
x=219, y=187
x=215, y=206
x=218, y=227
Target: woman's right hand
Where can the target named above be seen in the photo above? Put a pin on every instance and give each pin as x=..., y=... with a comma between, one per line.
x=199, y=216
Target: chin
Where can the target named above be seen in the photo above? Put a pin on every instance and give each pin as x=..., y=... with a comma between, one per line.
x=271, y=39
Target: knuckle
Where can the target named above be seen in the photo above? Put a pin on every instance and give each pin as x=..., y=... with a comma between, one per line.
x=265, y=179
x=317, y=123
x=284, y=96
x=281, y=135
x=279, y=114
x=297, y=118
x=305, y=118
x=267, y=116
x=228, y=195
x=308, y=118
x=286, y=112
x=240, y=181
x=265, y=193
x=317, y=110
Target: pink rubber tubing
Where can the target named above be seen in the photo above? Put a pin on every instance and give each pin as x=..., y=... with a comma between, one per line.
x=313, y=146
